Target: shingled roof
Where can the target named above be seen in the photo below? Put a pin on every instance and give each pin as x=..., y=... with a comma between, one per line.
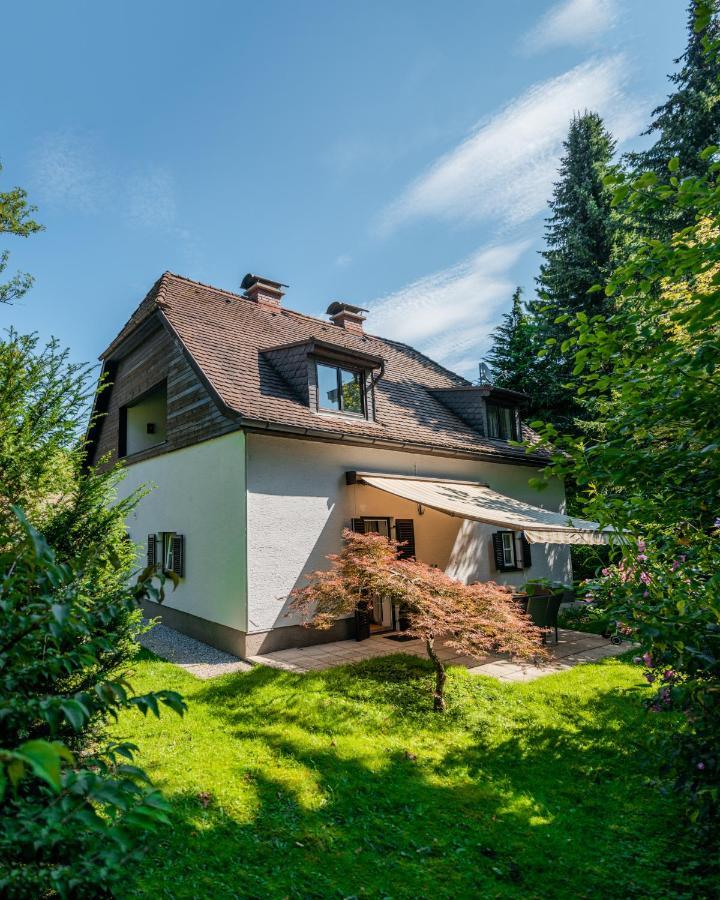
x=224, y=336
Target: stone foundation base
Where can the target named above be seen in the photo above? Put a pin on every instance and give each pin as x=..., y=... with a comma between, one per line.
x=241, y=643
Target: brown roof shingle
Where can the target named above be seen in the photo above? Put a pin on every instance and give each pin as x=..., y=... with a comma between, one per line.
x=225, y=335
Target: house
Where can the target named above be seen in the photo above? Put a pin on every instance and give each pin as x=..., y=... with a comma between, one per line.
x=266, y=432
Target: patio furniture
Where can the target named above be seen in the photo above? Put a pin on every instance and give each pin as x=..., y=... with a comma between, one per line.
x=543, y=611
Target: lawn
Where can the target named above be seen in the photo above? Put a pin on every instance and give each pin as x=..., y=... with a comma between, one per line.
x=344, y=783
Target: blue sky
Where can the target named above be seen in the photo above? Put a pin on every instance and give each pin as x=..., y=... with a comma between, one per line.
x=397, y=155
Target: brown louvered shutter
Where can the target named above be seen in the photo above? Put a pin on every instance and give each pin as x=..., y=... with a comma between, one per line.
x=152, y=550
x=527, y=555
x=405, y=535
x=498, y=551
x=178, y=554
x=357, y=525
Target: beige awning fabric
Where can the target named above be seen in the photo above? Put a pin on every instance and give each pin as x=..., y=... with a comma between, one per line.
x=475, y=501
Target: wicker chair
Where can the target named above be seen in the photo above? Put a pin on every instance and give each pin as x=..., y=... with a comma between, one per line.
x=543, y=611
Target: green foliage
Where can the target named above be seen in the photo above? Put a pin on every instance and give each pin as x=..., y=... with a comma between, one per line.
x=69, y=822
x=650, y=463
x=668, y=596
x=343, y=783
x=74, y=808
x=15, y=218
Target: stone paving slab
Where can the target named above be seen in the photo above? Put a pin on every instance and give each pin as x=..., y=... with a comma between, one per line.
x=573, y=648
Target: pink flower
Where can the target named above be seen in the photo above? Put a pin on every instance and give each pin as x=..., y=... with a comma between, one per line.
x=641, y=546
x=605, y=572
x=645, y=578
x=647, y=659
x=642, y=557
x=668, y=675
x=701, y=766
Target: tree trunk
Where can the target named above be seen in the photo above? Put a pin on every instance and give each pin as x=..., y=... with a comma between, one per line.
x=440, y=676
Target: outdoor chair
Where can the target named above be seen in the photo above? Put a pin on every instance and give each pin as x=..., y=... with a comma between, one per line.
x=543, y=611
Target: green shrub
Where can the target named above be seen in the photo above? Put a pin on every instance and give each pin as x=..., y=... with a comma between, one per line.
x=73, y=807
x=667, y=594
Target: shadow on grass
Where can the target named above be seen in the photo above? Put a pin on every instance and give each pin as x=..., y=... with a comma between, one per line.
x=506, y=796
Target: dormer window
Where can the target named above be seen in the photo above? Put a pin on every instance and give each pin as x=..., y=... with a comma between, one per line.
x=502, y=422
x=340, y=389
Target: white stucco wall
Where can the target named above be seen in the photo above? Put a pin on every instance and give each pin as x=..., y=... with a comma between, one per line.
x=298, y=504
x=152, y=409
x=199, y=492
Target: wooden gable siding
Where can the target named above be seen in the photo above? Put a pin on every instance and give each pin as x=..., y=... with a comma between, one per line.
x=192, y=415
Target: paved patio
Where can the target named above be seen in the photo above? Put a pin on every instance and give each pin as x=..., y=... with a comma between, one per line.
x=572, y=649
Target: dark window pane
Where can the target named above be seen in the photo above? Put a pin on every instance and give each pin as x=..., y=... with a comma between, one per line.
x=493, y=421
x=507, y=427
x=328, y=395
x=351, y=391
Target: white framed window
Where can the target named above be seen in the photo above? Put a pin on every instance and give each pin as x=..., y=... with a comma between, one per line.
x=168, y=553
x=508, y=549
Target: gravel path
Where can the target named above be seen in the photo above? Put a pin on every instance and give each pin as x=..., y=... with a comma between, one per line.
x=195, y=657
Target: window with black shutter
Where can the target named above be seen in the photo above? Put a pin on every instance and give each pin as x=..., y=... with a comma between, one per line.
x=527, y=555
x=405, y=535
x=152, y=550
x=178, y=555
x=504, y=551
x=173, y=553
x=358, y=526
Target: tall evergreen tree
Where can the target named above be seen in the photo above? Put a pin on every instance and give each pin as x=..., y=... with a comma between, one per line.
x=512, y=355
x=580, y=237
x=689, y=120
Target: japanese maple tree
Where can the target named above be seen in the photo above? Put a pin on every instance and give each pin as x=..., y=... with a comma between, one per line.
x=474, y=619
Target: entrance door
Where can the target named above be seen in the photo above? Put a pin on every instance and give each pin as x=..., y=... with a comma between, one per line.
x=382, y=612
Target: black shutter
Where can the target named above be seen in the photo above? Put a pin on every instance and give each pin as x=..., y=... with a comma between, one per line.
x=151, y=550
x=405, y=534
x=178, y=555
x=498, y=551
x=358, y=526
x=527, y=555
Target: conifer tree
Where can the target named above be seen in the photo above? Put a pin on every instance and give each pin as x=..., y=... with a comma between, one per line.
x=580, y=237
x=689, y=120
x=513, y=352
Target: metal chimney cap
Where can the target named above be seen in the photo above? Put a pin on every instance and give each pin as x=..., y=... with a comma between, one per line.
x=338, y=306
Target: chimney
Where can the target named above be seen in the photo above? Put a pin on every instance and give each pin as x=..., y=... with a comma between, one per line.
x=347, y=316
x=263, y=291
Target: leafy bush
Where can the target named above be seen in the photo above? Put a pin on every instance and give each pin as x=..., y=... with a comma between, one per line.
x=667, y=594
x=72, y=807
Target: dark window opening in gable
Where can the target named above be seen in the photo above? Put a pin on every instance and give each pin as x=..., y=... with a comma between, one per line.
x=340, y=389
x=143, y=423
x=502, y=422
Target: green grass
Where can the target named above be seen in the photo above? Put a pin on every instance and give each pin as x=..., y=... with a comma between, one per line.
x=343, y=783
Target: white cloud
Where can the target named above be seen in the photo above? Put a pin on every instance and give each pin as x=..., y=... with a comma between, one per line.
x=151, y=199
x=572, y=22
x=450, y=314
x=71, y=170
x=505, y=169
x=66, y=172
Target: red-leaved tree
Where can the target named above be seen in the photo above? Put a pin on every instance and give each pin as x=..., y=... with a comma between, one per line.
x=473, y=619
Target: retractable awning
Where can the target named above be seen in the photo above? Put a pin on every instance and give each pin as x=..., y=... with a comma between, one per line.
x=475, y=501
